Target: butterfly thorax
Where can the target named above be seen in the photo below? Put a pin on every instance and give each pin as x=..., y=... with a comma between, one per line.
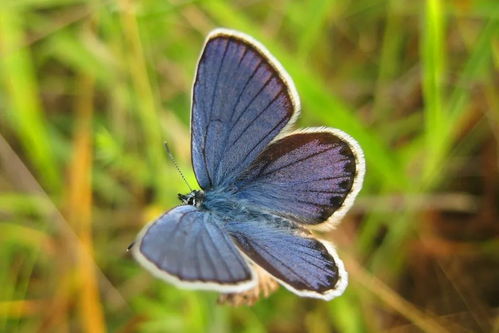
x=218, y=200
x=222, y=201
x=230, y=207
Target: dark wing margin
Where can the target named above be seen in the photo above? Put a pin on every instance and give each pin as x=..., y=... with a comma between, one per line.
x=242, y=99
x=311, y=176
x=188, y=248
x=304, y=265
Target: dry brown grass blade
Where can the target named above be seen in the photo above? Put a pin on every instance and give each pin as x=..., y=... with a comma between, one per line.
x=424, y=321
x=79, y=208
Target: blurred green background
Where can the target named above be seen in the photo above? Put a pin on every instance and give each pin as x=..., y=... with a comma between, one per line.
x=89, y=90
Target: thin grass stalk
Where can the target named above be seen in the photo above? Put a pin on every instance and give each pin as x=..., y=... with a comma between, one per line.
x=80, y=207
x=144, y=99
x=23, y=110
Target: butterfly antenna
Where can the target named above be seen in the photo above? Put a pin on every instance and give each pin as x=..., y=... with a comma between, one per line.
x=170, y=156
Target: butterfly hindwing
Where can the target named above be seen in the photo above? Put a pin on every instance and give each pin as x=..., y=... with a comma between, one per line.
x=187, y=247
x=310, y=176
x=242, y=99
x=304, y=265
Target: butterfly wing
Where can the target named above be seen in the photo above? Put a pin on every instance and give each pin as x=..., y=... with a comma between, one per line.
x=242, y=98
x=188, y=248
x=304, y=265
x=311, y=177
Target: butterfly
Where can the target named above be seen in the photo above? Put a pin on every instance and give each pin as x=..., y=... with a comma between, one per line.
x=264, y=188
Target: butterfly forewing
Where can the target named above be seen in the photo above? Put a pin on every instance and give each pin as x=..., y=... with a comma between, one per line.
x=242, y=99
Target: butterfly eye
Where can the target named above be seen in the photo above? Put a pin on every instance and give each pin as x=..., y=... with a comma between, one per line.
x=185, y=198
x=195, y=198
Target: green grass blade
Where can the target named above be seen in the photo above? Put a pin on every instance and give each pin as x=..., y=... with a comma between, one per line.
x=24, y=111
x=432, y=49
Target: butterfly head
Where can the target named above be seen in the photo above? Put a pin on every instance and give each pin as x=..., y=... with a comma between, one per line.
x=195, y=198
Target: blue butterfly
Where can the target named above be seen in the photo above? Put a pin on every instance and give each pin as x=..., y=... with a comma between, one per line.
x=263, y=187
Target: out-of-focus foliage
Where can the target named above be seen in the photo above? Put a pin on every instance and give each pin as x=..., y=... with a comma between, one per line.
x=89, y=90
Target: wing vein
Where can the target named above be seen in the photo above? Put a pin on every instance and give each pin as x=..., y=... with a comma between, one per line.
x=196, y=257
x=258, y=116
x=263, y=249
x=319, y=179
x=208, y=255
x=294, y=162
x=263, y=138
x=247, y=105
x=206, y=131
x=178, y=268
x=318, y=191
x=316, y=204
x=227, y=133
x=266, y=248
x=218, y=251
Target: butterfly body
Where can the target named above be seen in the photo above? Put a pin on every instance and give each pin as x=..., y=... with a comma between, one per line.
x=262, y=187
x=227, y=206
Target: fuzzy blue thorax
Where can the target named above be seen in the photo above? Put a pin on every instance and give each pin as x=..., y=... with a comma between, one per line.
x=231, y=208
